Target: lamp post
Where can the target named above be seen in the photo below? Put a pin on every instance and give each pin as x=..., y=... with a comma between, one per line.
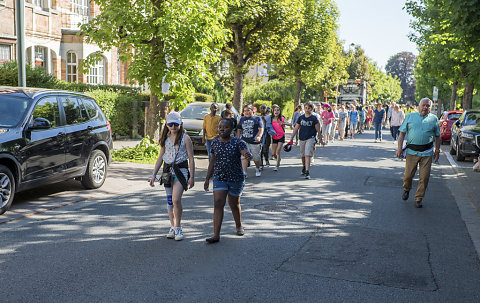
x=20, y=29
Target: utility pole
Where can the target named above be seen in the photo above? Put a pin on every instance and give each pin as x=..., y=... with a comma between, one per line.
x=20, y=28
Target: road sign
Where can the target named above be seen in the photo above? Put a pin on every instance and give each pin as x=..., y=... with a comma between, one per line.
x=435, y=93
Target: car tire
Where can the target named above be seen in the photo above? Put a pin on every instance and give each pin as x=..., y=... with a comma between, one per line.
x=452, y=150
x=96, y=170
x=458, y=154
x=7, y=188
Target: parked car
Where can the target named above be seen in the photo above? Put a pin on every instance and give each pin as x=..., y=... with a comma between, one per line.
x=192, y=117
x=48, y=136
x=446, y=121
x=465, y=139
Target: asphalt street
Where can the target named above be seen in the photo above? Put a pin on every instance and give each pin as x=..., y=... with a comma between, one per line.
x=343, y=236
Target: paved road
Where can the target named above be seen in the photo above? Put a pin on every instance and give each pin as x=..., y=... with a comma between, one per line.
x=343, y=236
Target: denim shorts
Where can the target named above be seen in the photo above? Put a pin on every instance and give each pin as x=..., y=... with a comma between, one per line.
x=234, y=188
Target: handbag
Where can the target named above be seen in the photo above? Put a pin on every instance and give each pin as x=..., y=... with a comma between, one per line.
x=166, y=177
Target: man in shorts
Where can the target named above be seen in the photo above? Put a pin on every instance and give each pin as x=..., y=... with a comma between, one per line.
x=308, y=126
x=250, y=129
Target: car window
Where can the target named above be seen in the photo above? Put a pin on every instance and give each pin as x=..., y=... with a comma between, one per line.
x=90, y=108
x=195, y=111
x=12, y=110
x=454, y=116
x=472, y=119
x=72, y=110
x=47, y=108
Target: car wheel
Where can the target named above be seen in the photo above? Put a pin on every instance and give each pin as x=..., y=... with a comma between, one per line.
x=452, y=150
x=96, y=170
x=459, y=155
x=7, y=188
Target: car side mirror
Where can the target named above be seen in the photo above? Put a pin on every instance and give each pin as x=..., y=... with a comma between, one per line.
x=457, y=123
x=41, y=123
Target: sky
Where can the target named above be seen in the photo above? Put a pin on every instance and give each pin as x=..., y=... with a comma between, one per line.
x=380, y=27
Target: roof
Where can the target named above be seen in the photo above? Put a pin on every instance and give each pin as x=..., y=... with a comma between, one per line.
x=30, y=92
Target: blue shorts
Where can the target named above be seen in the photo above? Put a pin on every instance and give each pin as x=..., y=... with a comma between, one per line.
x=234, y=188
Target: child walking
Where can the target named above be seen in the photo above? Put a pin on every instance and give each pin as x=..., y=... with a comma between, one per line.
x=228, y=179
x=176, y=154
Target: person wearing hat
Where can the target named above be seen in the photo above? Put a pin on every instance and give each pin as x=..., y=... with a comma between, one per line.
x=178, y=173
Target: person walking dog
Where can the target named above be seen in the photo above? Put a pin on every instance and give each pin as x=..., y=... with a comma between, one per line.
x=423, y=142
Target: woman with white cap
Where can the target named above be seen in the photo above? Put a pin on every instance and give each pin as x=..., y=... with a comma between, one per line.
x=178, y=170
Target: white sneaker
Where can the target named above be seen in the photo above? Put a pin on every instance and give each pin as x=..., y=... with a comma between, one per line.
x=313, y=160
x=380, y=139
x=275, y=168
x=171, y=233
x=376, y=141
x=258, y=173
x=178, y=234
x=245, y=175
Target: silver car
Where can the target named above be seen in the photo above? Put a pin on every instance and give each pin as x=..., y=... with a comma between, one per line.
x=192, y=117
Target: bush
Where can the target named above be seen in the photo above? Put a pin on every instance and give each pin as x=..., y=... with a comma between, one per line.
x=146, y=152
x=127, y=110
x=288, y=109
x=203, y=97
x=106, y=100
x=36, y=76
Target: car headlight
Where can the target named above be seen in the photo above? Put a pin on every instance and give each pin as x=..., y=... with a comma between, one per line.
x=467, y=136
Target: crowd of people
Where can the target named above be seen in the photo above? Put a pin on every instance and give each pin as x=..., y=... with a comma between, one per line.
x=233, y=142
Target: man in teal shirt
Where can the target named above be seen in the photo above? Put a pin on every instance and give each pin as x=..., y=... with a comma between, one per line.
x=423, y=142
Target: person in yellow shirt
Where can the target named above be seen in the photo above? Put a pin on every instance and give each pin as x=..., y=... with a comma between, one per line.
x=210, y=127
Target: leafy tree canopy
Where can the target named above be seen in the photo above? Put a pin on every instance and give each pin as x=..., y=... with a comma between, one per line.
x=402, y=65
x=170, y=40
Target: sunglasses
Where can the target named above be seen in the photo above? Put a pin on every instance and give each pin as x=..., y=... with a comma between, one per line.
x=173, y=124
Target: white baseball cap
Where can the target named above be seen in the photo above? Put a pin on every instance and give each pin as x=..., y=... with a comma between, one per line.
x=174, y=117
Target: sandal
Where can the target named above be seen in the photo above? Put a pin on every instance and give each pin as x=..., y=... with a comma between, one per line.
x=240, y=231
x=212, y=240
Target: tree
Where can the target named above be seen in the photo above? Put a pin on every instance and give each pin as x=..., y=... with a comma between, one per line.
x=359, y=67
x=260, y=31
x=164, y=41
x=402, y=66
x=447, y=44
x=317, y=39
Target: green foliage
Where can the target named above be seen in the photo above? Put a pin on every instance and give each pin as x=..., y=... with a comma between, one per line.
x=145, y=151
x=127, y=110
x=262, y=31
x=259, y=103
x=36, y=76
x=174, y=40
x=309, y=61
x=402, y=65
x=203, y=97
x=278, y=91
x=106, y=100
x=288, y=109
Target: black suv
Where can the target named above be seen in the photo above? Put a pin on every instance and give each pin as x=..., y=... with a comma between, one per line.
x=48, y=136
x=465, y=139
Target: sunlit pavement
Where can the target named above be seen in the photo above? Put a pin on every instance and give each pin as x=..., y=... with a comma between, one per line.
x=343, y=236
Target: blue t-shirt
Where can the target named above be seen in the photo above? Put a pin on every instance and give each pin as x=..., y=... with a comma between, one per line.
x=378, y=118
x=228, y=166
x=353, y=114
x=249, y=127
x=307, y=126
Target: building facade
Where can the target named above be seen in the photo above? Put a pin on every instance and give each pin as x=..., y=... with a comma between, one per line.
x=52, y=41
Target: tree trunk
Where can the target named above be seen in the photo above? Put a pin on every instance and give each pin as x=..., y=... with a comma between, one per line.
x=153, y=118
x=453, y=96
x=239, y=61
x=238, y=90
x=467, y=96
x=298, y=91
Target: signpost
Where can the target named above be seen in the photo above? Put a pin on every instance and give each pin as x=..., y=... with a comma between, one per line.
x=435, y=98
x=20, y=29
